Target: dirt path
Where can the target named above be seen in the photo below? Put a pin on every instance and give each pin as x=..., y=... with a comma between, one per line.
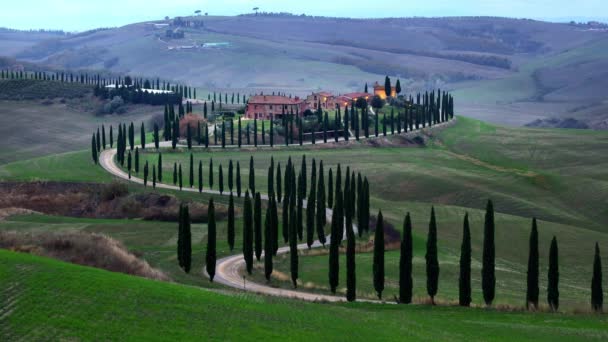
x=228, y=268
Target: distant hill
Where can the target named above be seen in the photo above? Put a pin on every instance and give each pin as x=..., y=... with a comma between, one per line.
x=298, y=54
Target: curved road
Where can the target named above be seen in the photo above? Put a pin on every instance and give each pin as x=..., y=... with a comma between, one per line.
x=227, y=268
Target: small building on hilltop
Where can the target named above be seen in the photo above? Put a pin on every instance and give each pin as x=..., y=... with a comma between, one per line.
x=267, y=106
x=380, y=91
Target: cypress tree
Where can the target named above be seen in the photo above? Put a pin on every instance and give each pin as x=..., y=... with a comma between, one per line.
x=223, y=133
x=251, y=176
x=285, y=213
x=103, y=136
x=111, y=137
x=271, y=132
x=279, y=182
x=160, y=167
x=231, y=223
x=330, y=189
x=238, y=179
x=257, y=226
x=597, y=293
x=533, y=273
x=334, y=249
x=464, y=281
x=153, y=177
x=321, y=218
x=432, y=264
x=98, y=141
x=191, y=169
x=270, y=177
x=210, y=173
x=488, y=278
x=210, y=257
x=179, y=176
x=129, y=167
x=553, y=277
x=248, y=234
x=94, y=150
x=221, y=179
x=199, y=134
x=174, y=173
x=230, y=176
x=274, y=223
x=405, y=263
x=156, y=138
x=136, y=160
x=268, y=244
x=239, y=134
x=206, y=136
x=378, y=265
x=200, y=176
x=293, y=249
x=351, y=278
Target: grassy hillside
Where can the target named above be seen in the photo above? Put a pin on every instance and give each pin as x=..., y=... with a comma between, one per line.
x=90, y=304
x=32, y=128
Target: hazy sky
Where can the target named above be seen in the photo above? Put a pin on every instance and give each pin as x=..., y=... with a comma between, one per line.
x=78, y=15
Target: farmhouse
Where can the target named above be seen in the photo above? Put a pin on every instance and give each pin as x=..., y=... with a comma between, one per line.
x=323, y=98
x=380, y=91
x=267, y=106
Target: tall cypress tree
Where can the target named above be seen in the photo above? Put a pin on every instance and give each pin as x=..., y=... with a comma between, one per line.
x=279, y=182
x=129, y=167
x=405, y=263
x=268, y=244
x=378, y=265
x=179, y=176
x=257, y=226
x=175, y=173
x=210, y=173
x=432, y=264
x=191, y=174
x=321, y=218
x=94, y=150
x=156, y=138
x=210, y=257
x=231, y=223
x=189, y=136
x=160, y=167
x=248, y=233
x=330, y=189
x=597, y=293
x=293, y=248
x=238, y=179
x=553, y=277
x=230, y=176
x=351, y=277
x=464, y=280
x=488, y=278
x=334, y=248
x=532, y=274
x=136, y=160
x=251, y=176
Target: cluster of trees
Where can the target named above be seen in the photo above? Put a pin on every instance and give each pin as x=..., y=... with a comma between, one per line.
x=136, y=95
x=488, y=278
x=226, y=98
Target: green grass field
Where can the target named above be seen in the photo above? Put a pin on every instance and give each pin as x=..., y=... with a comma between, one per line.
x=91, y=304
x=555, y=175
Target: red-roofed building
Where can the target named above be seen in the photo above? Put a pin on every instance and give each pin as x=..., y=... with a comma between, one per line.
x=267, y=106
x=324, y=98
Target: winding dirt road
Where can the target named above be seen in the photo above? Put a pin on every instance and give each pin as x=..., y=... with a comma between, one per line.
x=228, y=268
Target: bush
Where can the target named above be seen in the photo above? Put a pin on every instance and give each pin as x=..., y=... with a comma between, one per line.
x=114, y=190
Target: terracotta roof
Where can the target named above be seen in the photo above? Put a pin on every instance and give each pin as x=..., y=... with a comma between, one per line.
x=274, y=99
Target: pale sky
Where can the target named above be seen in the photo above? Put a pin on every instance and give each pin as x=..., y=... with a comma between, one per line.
x=79, y=15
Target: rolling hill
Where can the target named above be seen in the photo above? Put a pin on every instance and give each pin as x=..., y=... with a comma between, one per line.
x=509, y=70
